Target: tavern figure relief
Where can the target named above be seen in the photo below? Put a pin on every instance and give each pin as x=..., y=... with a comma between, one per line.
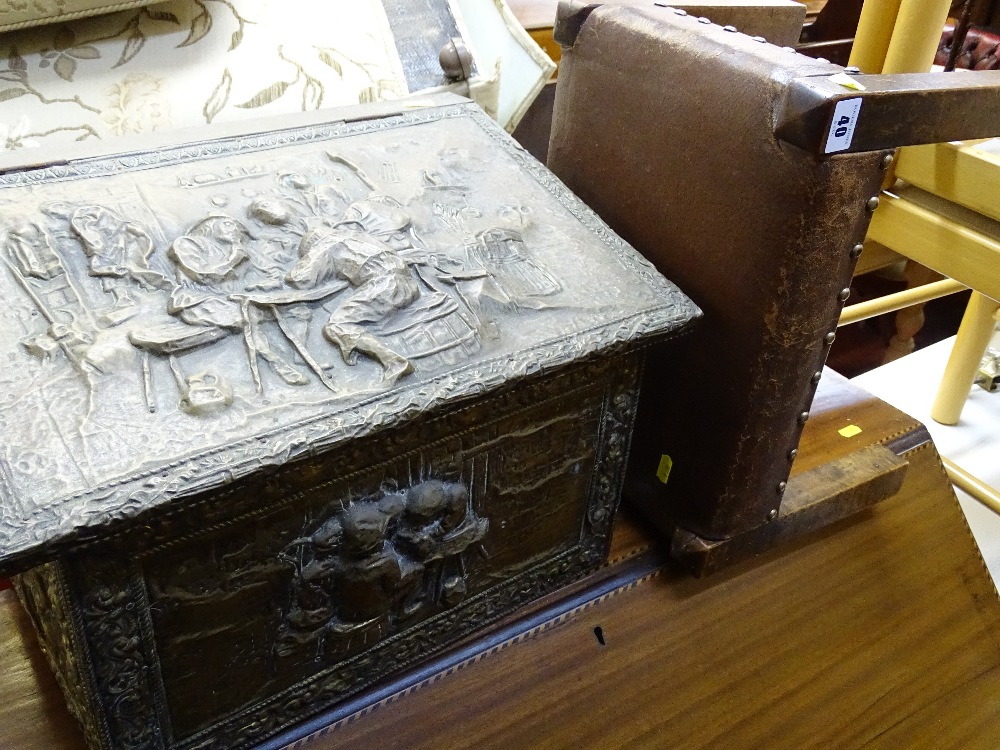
x=293, y=265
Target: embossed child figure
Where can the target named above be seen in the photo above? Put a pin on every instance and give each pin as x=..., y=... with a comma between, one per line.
x=436, y=528
x=368, y=572
x=313, y=605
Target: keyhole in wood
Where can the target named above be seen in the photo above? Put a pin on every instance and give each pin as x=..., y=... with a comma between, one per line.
x=599, y=635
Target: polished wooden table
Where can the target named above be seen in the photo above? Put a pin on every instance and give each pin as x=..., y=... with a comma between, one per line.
x=880, y=631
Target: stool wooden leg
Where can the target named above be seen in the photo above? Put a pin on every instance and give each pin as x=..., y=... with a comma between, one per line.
x=909, y=320
x=970, y=345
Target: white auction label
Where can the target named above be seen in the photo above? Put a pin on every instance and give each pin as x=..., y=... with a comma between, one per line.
x=845, y=120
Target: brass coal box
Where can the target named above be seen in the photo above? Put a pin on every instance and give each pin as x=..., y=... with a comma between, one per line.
x=286, y=412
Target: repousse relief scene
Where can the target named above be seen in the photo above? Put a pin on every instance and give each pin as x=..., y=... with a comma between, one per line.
x=167, y=310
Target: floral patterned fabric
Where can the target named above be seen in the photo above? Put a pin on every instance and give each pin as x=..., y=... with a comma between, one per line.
x=192, y=62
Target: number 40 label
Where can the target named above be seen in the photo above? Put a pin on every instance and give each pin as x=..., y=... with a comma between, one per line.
x=845, y=119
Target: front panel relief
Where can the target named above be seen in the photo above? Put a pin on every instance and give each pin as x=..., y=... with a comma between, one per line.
x=336, y=584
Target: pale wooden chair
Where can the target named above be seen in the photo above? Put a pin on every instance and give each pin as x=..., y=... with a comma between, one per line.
x=943, y=213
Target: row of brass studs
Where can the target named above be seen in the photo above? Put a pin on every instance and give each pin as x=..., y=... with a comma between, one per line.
x=870, y=205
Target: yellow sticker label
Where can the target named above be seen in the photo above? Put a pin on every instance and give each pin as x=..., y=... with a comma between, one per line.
x=847, y=82
x=663, y=470
x=850, y=431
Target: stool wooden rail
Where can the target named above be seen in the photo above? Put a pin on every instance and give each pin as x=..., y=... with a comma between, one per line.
x=899, y=300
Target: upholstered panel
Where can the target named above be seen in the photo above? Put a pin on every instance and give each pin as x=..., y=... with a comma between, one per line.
x=195, y=62
x=980, y=49
x=192, y=62
x=19, y=14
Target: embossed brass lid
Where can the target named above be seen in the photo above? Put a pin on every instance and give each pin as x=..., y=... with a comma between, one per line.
x=180, y=317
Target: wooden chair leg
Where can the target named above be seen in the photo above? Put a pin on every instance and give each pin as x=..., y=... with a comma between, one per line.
x=972, y=486
x=960, y=372
x=909, y=320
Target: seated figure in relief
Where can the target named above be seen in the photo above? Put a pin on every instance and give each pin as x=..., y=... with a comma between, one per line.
x=218, y=269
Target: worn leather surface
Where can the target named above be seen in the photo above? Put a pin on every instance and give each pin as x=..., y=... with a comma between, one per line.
x=663, y=125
